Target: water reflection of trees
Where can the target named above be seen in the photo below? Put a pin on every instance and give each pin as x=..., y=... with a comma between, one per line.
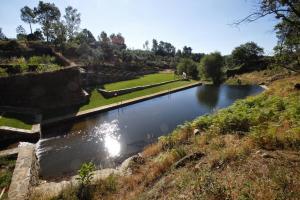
x=208, y=95
x=234, y=92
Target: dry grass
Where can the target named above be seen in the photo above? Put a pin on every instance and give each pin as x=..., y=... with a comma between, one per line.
x=236, y=165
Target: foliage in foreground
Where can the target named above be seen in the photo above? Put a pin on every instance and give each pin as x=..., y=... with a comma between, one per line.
x=234, y=165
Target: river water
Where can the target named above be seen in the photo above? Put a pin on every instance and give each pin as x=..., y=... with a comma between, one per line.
x=108, y=138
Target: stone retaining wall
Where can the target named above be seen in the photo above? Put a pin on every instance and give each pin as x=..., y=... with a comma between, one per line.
x=25, y=175
x=43, y=91
x=114, y=93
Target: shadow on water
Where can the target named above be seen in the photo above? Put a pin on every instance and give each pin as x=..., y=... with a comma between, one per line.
x=110, y=137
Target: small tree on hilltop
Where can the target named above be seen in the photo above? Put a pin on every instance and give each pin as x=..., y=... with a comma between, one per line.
x=211, y=67
x=188, y=66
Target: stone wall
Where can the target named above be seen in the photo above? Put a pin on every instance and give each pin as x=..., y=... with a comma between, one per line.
x=10, y=136
x=25, y=175
x=43, y=91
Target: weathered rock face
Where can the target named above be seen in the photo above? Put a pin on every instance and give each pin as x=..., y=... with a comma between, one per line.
x=46, y=90
x=25, y=174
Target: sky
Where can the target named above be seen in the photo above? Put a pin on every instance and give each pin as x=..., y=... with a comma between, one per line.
x=204, y=25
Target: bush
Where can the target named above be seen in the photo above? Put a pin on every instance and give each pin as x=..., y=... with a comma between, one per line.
x=37, y=60
x=85, y=173
x=188, y=66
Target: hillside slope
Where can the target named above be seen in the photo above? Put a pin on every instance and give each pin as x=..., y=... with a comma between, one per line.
x=249, y=150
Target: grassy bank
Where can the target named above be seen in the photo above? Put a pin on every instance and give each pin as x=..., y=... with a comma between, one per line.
x=144, y=80
x=97, y=99
x=249, y=150
x=16, y=121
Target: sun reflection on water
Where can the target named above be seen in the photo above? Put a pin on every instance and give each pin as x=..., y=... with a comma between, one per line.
x=108, y=132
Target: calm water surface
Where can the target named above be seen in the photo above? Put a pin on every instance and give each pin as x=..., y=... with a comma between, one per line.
x=108, y=138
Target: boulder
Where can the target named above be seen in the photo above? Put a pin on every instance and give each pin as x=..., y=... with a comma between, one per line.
x=297, y=86
x=196, y=131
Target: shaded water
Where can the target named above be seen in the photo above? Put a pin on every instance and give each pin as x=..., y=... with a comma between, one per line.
x=110, y=137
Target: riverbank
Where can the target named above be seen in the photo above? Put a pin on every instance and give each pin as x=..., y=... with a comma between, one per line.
x=124, y=102
x=247, y=151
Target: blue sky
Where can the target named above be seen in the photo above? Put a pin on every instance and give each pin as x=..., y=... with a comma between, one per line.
x=202, y=24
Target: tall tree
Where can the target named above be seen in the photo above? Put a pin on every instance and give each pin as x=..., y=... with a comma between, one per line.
x=187, y=51
x=154, y=46
x=72, y=21
x=2, y=36
x=146, y=45
x=60, y=34
x=28, y=16
x=247, y=55
x=21, y=33
x=85, y=36
x=105, y=44
x=211, y=67
x=47, y=15
x=118, y=41
x=288, y=28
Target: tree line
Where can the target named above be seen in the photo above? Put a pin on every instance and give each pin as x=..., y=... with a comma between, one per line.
x=64, y=32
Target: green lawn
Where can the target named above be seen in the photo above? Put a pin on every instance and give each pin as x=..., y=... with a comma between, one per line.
x=16, y=121
x=144, y=80
x=97, y=99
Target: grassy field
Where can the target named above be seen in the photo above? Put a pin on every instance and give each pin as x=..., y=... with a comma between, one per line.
x=16, y=121
x=249, y=150
x=97, y=99
x=144, y=80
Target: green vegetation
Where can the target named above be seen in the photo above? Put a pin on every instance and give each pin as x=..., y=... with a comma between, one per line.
x=144, y=80
x=7, y=165
x=187, y=66
x=250, y=151
x=85, y=173
x=33, y=64
x=211, y=67
x=97, y=99
x=16, y=120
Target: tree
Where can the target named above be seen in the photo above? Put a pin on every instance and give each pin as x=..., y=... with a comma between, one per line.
x=146, y=45
x=37, y=35
x=211, y=67
x=21, y=33
x=47, y=15
x=60, y=34
x=288, y=12
x=28, y=16
x=186, y=51
x=105, y=44
x=188, y=66
x=154, y=46
x=247, y=55
x=72, y=21
x=282, y=9
x=2, y=36
x=118, y=41
x=85, y=36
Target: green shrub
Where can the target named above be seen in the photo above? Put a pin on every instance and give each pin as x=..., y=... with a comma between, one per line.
x=179, y=152
x=85, y=173
x=37, y=60
x=188, y=66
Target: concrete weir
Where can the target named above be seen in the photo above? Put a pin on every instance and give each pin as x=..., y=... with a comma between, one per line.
x=25, y=175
